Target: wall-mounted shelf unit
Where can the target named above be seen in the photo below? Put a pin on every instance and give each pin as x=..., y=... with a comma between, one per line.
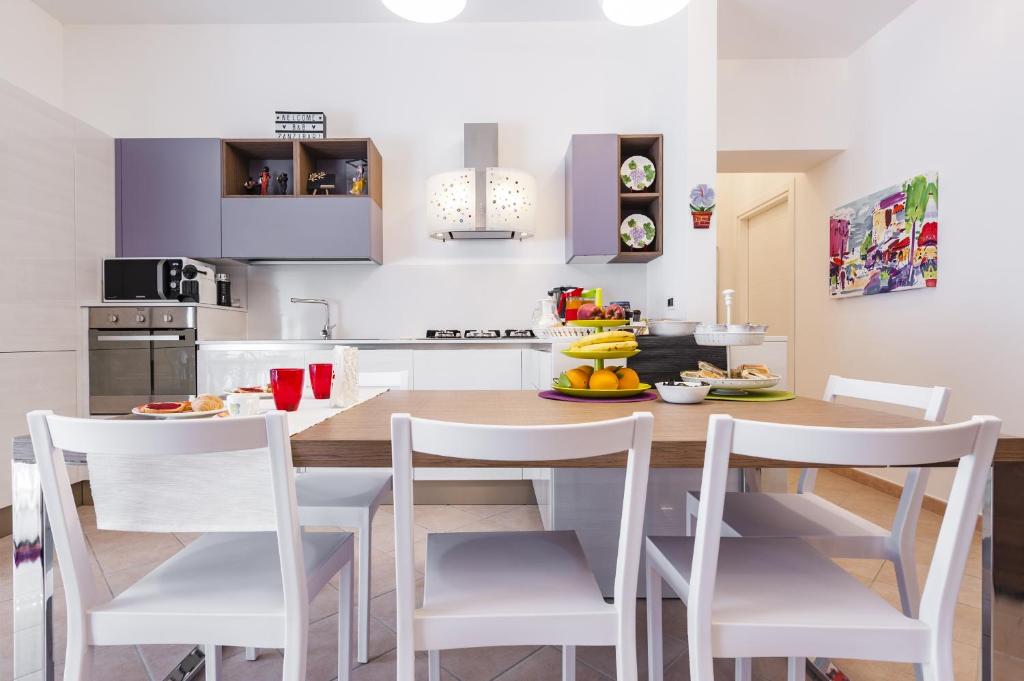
x=597, y=201
x=186, y=197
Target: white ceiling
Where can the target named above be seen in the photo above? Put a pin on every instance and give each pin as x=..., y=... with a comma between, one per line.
x=795, y=29
x=748, y=29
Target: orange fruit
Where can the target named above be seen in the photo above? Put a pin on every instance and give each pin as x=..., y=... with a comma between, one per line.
x=586, y=368
x=628, y=378
x=577, y=378
x=604, y=379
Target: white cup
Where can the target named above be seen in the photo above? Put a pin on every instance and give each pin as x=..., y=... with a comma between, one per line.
x=242, y=404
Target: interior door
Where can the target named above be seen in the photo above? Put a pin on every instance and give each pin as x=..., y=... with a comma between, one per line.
x=768, y=253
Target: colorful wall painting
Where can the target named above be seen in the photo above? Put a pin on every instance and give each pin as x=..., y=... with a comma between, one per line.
x=887, y=241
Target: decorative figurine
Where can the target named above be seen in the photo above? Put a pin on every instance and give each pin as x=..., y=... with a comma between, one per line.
x=320, y=181
x=282, y=182
x=250, y=186
x=359, y=182
x=265, y=181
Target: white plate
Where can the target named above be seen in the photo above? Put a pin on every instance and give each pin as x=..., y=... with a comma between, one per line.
x=734, y=383
x=637, y=173
x=645, y=229
x=180, y=415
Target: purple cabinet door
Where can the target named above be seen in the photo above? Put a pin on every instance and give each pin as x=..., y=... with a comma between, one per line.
x=168, y=197
x=302, y=228
x=591, y=198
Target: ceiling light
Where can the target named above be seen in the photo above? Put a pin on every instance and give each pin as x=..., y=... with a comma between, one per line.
x=641, y=12
x=426, y=11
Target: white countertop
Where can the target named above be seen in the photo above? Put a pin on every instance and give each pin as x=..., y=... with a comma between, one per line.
x=159, y=303
x=318, y=343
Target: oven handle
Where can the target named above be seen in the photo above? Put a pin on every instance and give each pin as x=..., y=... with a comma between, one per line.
x=136, y=339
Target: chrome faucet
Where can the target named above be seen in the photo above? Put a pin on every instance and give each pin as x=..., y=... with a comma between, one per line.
x=328, y=330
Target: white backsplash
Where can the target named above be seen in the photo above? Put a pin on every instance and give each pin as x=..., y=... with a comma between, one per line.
x=395, y=301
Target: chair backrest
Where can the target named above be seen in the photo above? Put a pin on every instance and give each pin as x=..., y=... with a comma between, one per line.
x=972, y=442
x=398, y=380
x=169, y=476
x=519, y=444
x=932, y=401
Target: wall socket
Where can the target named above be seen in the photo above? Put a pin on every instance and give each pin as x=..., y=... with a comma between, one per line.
x=671, y=302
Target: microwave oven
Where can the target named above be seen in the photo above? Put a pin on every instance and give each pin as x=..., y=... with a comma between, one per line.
x=159, y=279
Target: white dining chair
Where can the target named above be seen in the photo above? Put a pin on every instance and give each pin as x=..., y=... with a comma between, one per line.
x=779, y=596
x=350, y=498
x=827, y=526
x=247, y=581
x=516, y=588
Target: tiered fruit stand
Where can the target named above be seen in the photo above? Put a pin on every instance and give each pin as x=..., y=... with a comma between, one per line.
x=599, y=358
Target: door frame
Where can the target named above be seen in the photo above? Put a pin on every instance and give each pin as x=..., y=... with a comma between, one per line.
x=786, y=194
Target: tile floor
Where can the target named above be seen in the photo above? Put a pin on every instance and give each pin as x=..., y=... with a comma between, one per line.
x=120, y=558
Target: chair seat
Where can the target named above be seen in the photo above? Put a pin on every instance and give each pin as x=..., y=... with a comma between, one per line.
x=760, y=514
x=216, y=578
x=511, y=588
x=354, y=489
x=779, y=597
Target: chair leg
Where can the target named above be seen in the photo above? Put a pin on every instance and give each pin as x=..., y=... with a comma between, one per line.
x=691, y=515
x=214, y=662
x=251, y=654
x=78, y=663
x=655, y=654
x=345, y=622
x=796, y=669
x=434, y=665
x=363, y=629
x=568, y=663
x=743, y=668
x=940, y=668
x=296, y=652
x=906, y=580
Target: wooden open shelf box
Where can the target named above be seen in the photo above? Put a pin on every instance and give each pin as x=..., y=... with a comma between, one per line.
x=244, y=158
x=647, y=203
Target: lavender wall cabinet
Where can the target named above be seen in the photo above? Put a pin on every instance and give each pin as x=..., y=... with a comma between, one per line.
x=596, y=201
x=168, y=197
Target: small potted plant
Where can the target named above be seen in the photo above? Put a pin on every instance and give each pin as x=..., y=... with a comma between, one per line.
x=702, y=204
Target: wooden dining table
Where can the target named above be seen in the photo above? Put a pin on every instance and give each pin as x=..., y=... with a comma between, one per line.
x=361, y=437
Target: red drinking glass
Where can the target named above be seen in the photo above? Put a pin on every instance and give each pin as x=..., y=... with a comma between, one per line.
x=320, y=377
x=286, y=384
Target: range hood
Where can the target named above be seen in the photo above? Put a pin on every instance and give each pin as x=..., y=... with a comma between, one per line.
x=481, y=201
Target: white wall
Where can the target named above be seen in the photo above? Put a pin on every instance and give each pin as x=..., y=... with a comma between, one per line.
x=790, y=104
x=933, y=91
x=32, y=50
x=411, y=88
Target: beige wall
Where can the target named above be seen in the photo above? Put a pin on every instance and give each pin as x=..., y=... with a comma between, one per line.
x=32, y=50
x=952, y=113
x=56, y=223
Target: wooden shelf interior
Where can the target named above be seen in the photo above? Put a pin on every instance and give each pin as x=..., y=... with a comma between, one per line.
x=648, y=203
x=247, y=158
x=340, y=157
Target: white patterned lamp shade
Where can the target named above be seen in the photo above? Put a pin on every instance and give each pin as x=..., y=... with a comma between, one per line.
x=511, y=199
x=452, y=200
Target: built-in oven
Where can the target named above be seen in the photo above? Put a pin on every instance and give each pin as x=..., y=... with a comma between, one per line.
x=139, y=355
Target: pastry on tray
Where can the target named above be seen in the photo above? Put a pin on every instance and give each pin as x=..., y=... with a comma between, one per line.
x=166, y=407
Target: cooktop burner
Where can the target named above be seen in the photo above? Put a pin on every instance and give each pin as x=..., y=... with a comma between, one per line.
x=478, y=334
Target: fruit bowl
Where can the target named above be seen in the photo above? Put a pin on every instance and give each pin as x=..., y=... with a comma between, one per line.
x=601, y=394
x=598, y=322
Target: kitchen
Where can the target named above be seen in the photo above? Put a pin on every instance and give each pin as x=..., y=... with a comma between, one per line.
x=131, y=146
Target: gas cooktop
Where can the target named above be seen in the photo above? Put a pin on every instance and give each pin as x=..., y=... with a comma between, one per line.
x=477, y=334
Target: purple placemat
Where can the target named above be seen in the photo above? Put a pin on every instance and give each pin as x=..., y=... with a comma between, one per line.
x=646, y=396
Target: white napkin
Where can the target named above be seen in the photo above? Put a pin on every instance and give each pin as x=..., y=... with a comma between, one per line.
x=345, y=388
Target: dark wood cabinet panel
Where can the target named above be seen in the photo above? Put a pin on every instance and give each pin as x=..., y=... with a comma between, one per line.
x=168, y=197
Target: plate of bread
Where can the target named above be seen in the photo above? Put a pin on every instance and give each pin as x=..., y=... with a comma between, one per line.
x=198, y=407
x=262, y=390
x=736, y=380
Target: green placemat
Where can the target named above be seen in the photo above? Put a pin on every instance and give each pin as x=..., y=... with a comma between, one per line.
x=756, y=396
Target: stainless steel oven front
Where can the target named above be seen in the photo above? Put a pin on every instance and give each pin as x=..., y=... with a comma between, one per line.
x=139, y=355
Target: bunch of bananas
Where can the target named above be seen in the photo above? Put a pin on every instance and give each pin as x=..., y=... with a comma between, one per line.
x=606, y=341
